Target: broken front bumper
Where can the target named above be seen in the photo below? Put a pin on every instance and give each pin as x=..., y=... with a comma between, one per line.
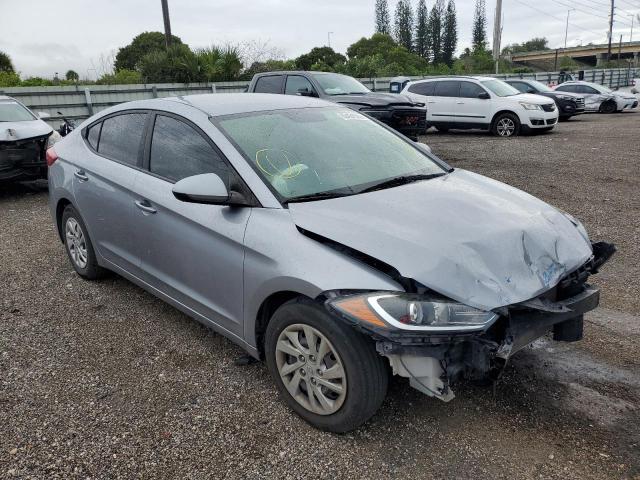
x=23, y=159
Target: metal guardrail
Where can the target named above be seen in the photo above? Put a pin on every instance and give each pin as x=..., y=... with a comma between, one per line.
x=81, y=101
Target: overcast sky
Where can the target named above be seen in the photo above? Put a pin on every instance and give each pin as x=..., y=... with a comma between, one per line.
x=45, y=36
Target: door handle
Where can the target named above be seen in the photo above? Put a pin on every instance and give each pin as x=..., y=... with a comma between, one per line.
x=80, y=175
x=460, y=103
x=145, y=206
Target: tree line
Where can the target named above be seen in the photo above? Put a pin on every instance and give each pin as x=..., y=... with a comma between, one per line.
x=416, y=41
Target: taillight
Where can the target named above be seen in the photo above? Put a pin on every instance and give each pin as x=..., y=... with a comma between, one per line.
x=51, y=156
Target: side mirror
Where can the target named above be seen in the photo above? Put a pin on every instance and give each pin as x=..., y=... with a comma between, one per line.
x=207, y=188
x=43, y=115
x=484, y=96
x=305, y=92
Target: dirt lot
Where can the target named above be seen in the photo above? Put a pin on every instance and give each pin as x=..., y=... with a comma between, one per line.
x=102, y=380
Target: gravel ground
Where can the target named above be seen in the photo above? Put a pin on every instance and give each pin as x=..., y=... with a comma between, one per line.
x=102, y=380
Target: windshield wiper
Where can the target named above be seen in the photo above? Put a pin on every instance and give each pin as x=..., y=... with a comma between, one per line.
x=315, y=196
x=397, y=181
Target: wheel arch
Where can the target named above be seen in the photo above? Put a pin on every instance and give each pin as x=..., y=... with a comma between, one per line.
x=500, y=112
x=267, y=308
x=60, y=206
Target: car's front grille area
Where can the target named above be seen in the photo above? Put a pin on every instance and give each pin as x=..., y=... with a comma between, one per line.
x=580, y=102
x=409, y=118
x=551, y=122
x=549, y=107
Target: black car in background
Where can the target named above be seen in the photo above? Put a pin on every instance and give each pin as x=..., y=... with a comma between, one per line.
x=569, y=104
x=397, y=111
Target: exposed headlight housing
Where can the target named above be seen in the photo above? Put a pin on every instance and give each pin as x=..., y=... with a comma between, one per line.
x=402, y=311
x=566, y=97
x=577, y=223
x=53, y=138
x=531, y=106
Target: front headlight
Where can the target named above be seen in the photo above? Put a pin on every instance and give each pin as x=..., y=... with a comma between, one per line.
x=576, y=223
x=530, y=106
x=53, y=138
x=411, y=312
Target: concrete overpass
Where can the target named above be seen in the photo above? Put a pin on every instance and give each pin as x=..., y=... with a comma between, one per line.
x=594, y=55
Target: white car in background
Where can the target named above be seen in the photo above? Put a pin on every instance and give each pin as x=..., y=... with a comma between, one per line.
x=24, y=138
x=482, y=103
x=599, y=98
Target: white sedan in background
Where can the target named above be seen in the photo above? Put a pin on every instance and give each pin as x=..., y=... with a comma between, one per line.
x=599, y=98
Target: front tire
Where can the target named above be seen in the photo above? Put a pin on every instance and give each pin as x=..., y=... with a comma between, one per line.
x=78, y=245
x=506, y=125
x=608, y=107
x=327, y=372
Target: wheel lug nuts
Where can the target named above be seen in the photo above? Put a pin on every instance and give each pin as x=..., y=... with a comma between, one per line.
x=313, y=381
x=312, y=358
x=303, y=372
x=320, y=372
x=301, y=358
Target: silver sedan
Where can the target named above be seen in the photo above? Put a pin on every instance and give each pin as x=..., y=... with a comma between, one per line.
x=321, y=241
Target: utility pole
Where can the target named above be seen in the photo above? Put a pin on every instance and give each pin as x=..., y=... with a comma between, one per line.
x=167, y=23
x=619, y=50
x=610, y=31
x=566, y=29
x=497, y=33
x=329, y=39
x=632, y=19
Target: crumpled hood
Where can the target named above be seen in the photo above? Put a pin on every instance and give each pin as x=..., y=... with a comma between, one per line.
x=12, y=131
x=374, y=99
x=473, y=239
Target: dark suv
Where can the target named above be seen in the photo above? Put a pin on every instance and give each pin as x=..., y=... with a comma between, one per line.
x=569, y=104
x=397, y=111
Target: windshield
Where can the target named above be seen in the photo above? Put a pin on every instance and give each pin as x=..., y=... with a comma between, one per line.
x=303, y=152
x=14, y=112
x=336, y=84
x=540, y=86
x=500, y=88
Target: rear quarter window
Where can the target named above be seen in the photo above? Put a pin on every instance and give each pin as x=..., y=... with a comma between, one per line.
x=93, y=135
x=447, y=88
x=269, y=84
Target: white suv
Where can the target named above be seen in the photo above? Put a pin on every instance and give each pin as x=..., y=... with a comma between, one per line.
x=484, y=103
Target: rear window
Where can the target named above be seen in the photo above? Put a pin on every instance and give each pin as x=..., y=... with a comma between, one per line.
x=447, y=89
x=14, y=112
x=423, y=88
x=269, y=84
x=121, y=137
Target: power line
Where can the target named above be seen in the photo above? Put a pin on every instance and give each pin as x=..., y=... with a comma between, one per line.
x=557, y=18
x=579, y=10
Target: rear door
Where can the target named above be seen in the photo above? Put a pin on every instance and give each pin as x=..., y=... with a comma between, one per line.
x=103, y=185
x=592, y=97
x=470, y=108
x=191, y=252
x=441, y=107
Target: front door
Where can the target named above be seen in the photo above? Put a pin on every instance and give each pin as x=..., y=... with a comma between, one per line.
x=191, y=252
x=471, y=108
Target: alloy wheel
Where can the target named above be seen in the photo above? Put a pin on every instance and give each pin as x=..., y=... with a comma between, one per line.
x=506, y=127
x=76, y=243
x=311, y=369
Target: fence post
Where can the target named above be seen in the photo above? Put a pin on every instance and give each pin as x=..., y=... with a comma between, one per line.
x=154, y=91
x=213, y=88
x=87, y=98
x=375, y=85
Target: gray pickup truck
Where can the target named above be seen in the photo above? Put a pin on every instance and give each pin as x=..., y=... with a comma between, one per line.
x=397, y=111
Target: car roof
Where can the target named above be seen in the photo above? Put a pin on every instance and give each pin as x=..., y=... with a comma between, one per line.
x=453, y=77
x=219, y=104
x=296, y=72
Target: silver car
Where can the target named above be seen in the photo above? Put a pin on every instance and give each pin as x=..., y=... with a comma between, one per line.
x=599, y=98
x=322, y=242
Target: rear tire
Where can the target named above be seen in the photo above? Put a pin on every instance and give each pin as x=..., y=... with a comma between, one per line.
x=442, y=129
x=506, y=125
x=608, y=107
x=564, y=119
x=78, y=245
x=290, y=358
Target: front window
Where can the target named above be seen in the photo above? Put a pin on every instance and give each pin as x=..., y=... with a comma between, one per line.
x=14, y=112
x=539, y=86
x=500, y=88
x=336, y=84
x=304, y=152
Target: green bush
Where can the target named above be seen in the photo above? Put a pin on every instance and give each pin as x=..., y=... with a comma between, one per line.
x=9, y=79
x=121, y=77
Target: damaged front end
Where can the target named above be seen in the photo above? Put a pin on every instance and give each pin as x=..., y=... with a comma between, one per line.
x=24, y=158
x=435, y=341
